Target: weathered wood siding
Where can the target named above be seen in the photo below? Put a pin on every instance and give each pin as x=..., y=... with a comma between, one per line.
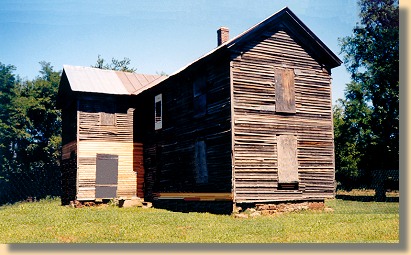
x=138, y=167
x=68, y=172
x=169, y=153
x=88, y=150
x=69, y=153
x=257, y=124
x=105, y=127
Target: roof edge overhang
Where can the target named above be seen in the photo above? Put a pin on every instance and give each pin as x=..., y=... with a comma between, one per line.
x=331, y=60
x=286, y=15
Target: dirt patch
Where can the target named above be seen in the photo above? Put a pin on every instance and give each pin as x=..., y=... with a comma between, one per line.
x=67, y=239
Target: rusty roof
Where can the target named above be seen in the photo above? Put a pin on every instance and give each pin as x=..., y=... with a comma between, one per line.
x=95, y=80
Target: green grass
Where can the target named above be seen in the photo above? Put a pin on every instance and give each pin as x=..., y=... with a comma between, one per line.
x=48, y=222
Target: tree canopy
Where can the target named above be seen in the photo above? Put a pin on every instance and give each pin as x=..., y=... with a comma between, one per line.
x=367, y=120
x=117, y=65
x=30, y=134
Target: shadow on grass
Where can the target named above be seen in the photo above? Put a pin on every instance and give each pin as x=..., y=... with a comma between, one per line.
x=366, y=198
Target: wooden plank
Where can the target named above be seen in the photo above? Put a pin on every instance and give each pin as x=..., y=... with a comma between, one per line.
x=284, y=90
x=256, y=130
x=195, y=196
x=169, y=153
x=88, y=150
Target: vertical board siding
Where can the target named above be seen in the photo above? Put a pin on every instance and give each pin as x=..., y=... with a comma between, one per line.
x=284, y=87
x=257, y=124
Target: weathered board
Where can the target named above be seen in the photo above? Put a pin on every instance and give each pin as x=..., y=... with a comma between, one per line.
x=287, y=159
x=88, y=150
x=271, y=61
x=105, y=126
x=284, y=90
x=68, y=172
x=195, y=114
x=138, y=167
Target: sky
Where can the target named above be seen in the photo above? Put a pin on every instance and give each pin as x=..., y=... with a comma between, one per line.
x=157, y=35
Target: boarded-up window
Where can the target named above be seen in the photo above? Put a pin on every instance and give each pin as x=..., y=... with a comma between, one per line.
x=108, y=119
x=108, y=115
x=200, y=97
x=201, y=171
x=106, y=176
x=287, y=160
x=284, y=91
x=158, y=112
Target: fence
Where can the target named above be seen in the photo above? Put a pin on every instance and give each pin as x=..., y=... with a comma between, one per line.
x=384, y=180
x=32, y=185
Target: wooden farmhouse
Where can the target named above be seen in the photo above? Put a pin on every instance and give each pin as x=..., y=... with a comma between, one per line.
x=248, y=122
x=99, y=158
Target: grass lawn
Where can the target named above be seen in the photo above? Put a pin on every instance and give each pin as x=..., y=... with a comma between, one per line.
x=48, y=222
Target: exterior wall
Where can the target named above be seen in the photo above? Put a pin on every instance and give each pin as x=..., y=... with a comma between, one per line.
x=170, y=152
x=257, y=124
x=69, y=154
x=98, y=135
x=68, y=172
x=86, y=181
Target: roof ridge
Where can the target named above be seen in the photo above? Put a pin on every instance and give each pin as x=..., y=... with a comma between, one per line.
x=285, y=10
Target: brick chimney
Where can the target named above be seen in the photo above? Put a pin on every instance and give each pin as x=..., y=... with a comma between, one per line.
x=222, y=35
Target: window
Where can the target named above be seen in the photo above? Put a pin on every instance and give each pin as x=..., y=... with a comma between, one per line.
x=158, y=112
x=287, y=162
x=200, y=159
x=108, y=119
x=108, y=115
x=200, y=97
x=284, y=91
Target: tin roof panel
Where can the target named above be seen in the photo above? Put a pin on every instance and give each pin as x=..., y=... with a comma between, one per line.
x=95, y=80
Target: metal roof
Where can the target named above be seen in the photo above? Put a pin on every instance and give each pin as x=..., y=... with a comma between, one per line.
x=95, y=80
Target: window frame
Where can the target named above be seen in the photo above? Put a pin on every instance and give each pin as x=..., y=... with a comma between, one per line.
x=158, y=118
x=200, y=97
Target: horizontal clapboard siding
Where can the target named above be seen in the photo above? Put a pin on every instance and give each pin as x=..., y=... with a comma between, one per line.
x=257, y=124
x=105, y=126
x=68, y=172
x=91, y=127
x=88, y=150
x=169, y=153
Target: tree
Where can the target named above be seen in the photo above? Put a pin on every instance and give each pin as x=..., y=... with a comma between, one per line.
x=31, y=141
x=117, y=65
x=371, y=108
x=352, y=136
x=7, y=93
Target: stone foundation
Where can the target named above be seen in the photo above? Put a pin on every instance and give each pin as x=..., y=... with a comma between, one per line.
x=280, y=208
x=123, y=203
